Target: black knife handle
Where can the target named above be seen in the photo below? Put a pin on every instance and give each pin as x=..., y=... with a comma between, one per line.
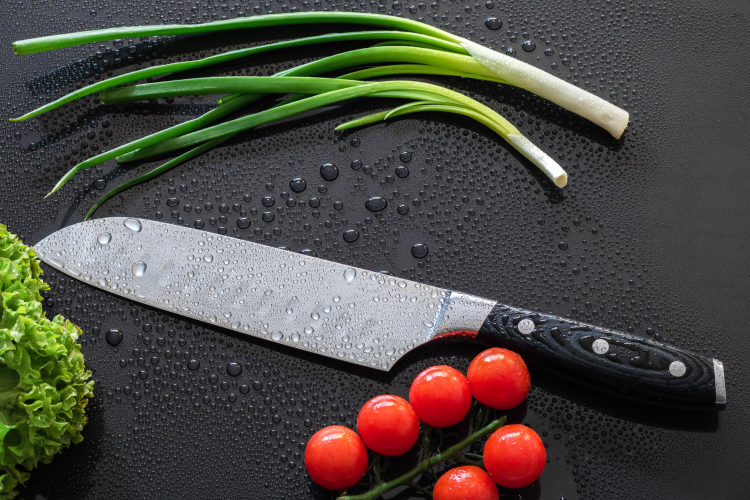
x=611, y=360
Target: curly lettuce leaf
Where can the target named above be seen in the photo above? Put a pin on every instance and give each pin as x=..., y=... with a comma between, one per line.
x=44, y=385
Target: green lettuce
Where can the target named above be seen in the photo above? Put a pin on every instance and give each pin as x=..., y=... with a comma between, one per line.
x=44, y=384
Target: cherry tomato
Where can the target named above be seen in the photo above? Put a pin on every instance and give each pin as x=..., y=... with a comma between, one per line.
x=336, y=458
x=499, y=378
x=465, y=483
x=514, y=456
x=440, y=395
x=388, y=425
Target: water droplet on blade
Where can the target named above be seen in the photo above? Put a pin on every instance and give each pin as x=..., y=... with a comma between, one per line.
x=104, y=238
x=57, y=263
x=133, y=224
x=139, y=269
x=350, y=274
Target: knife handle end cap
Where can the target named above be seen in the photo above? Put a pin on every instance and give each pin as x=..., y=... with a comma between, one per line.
x=720, y=384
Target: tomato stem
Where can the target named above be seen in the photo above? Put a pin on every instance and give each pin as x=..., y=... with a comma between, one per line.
x=440, y=442
x=466, y=461
x=419, y=488
x=376, y=469
x=449, y=454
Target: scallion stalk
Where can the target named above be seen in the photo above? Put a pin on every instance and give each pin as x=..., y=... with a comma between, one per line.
x=456, y=103
x=431, y=42
x=520, y=74
x=158, y=171
x=452, y=62
x=52, y=42
x=223, y=84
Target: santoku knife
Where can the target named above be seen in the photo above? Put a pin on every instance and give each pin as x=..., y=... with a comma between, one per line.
x=355, y=315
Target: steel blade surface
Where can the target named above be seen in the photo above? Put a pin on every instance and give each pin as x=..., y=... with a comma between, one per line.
x=327, y=308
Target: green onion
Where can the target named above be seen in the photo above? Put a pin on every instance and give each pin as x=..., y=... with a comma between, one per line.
x=188, y=126
x=222, y=84
x=460, y=104
x=42, y=44
x=159, y=170
x=517, y=73
x=419, y=48
x=431, y=42
x=454, y=62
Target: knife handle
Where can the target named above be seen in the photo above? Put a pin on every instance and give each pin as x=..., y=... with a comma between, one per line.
x=611, y=360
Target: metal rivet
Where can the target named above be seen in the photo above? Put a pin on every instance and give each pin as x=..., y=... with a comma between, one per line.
x=526, y=326
x=677, y=368
x=600, y=346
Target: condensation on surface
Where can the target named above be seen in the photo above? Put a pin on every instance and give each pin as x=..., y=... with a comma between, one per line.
x=463, y=211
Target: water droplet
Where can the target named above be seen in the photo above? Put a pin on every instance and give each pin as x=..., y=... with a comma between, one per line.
x=193, y=364
x=390, y=351
x=139, y=268
x=234, y=369
x=57, y=263
x=350, y=274
x=277, y=335
x=208, y=258
x=376, y=204
x=104, y=238
x=402, y=171
x=295, y=337
x=493, y=23
x=103, y=282
x=113, y=337
x=133, y=224
x=351, y=235
x=329, y=171
x=297, y=184
x=528, y=46
x=419, y=250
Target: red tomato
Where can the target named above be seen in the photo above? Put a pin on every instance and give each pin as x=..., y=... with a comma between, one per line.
x=514, y=456
x=465, y=483
x=336, y=458
x=388, y=425
x=440, y=395
x=499, y=378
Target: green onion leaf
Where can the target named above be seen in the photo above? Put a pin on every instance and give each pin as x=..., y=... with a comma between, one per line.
x=42, y=44
x=142, y=74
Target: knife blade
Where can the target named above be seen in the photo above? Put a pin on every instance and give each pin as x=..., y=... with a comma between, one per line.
x=356, y=315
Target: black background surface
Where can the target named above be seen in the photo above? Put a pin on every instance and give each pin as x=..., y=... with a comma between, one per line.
x=657, y=228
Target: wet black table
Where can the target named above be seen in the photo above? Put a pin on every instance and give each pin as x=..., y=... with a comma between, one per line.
x=650, y=236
